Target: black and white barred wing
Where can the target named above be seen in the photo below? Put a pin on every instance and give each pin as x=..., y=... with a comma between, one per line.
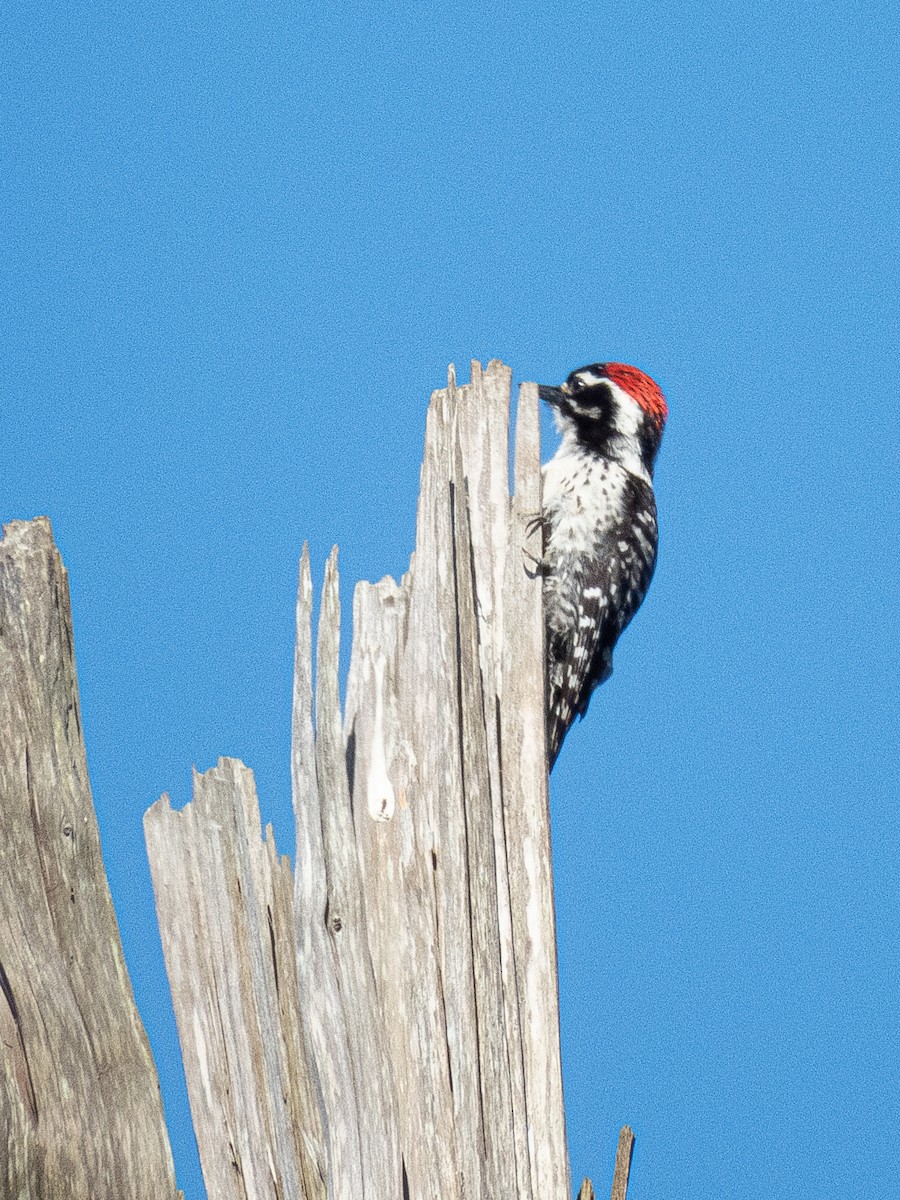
x=609, y=592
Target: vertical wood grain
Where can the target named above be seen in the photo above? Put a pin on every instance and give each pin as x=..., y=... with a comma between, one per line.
x=80, y=1110
x=423, y=901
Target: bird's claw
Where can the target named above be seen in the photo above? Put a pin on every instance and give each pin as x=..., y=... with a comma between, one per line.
x=540, y=567
x=533, y=524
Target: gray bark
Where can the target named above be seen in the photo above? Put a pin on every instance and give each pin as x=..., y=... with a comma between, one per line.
x=80, y=1110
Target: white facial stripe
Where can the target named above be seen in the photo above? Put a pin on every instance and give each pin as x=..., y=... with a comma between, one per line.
x=589, y=377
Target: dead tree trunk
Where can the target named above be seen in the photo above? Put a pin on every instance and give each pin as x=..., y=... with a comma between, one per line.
x=381, y=1022
x=420, y=951
x=80, y=1111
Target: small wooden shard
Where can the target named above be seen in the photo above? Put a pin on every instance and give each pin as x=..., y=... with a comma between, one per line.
x=623, y=1164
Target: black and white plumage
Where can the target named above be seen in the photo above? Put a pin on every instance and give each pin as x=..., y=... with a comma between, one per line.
x=600, y=530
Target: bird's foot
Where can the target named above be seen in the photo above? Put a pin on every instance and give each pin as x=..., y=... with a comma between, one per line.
x=533, y=524
x=540, y=567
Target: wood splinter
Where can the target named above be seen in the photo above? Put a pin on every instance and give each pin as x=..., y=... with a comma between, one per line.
x=620, y=1172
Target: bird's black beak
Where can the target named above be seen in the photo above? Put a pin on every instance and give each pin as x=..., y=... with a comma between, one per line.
x=553, y=395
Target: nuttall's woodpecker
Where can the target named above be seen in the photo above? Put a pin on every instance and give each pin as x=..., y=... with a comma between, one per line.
x=599, y=526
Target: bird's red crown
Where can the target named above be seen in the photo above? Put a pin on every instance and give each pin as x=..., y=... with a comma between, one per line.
x=641, y=388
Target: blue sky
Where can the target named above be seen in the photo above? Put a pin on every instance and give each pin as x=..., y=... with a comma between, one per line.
x=241, y=246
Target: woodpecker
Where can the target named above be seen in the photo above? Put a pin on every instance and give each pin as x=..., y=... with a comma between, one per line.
x=599, y=526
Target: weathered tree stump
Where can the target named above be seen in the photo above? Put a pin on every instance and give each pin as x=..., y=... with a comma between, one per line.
x=80, y=1110
x=420, y=951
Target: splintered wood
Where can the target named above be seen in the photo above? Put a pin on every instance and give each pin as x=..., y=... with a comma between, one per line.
x=385, y=1025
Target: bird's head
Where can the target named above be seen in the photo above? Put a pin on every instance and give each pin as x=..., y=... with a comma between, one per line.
x=599, y=386
x=606, y=404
